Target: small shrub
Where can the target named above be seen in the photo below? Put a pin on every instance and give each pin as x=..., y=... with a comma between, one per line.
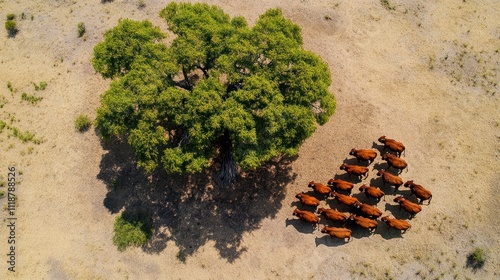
x=81, y=29
x=476, y=258
x=23, y=15
x=141, y=4
x=11, y=27
x=11, y=17
x=25, y=137
x=132, y=229
x=9, y=86
x=82, y=123
x=2, y=194
x=32, y=17
x=386, y=4
x=31, y=98
x=43, y=85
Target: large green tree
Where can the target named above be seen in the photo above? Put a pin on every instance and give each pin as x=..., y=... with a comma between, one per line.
x=220, y=90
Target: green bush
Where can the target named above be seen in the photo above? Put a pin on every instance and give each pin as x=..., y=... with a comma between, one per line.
x=476, y=258
x=42, y=86
x=11, y=17
x=31, y=98
x=132, y=229
x=82, y=123
x=81, y=29
x=11, y=26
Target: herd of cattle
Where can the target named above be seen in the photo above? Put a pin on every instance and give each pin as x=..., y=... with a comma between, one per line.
x=363, y=215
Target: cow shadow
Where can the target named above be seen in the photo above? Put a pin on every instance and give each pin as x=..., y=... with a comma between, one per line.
x=387, y=232
x=300, y=226
x=329, y=241
x=397, y=212
x=359, y=232
x=189, y=210
x=386, y=188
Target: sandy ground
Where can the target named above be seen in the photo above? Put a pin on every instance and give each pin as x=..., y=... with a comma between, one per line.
x=425, y=73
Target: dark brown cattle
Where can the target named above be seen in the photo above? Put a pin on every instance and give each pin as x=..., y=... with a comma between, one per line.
x=408, y=206
x=342, y=185
x=395, y=162
x=344, y=199
x=392, y=145
x=371, y=191
x=397, y=224
x=354, y=169
x=366, y=155
x=340, y=233
x=320, y=188
x=308, y=200
x=390, y=179
x=367, y=210
x=333, y=214
x=419, y=191
x=306, y=216
x=364, y=222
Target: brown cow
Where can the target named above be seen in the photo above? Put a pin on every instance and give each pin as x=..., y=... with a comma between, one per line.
x=339, y=184
x=333, y=214
x=367, y=210
x=307, y=216
x=340, y=233
x=366, y=155
x=354, y=169
x=320, y=188
x=344, y=199
x=409, y=206
x=394, y=161
x=371, y=191
x=419, y=191
x=393, y=145
x=364, y=222
x=397, y=224
x=308, y=200
x=390, y=179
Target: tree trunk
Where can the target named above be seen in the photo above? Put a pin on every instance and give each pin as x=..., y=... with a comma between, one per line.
x=229, y=170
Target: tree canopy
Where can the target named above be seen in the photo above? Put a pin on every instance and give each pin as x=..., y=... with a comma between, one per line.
x=220, y=90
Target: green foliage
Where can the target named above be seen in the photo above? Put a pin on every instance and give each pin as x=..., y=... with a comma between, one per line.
x=81, y=29
x=132, y=229
x=11, y=17
x=11, y=26
x=9, y=86
x=220, y=86
x=25, y=136
x=3, y=101
x=2, y=125
x=31, y=98
x=42, y=86
x=476, y=258
x=2, y=193
x=82, y=123
x=129, y=42
x=386, y=4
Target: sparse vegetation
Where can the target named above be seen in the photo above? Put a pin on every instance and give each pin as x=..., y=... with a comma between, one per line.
x=141, y=4
x=476, y=258
x=11, y=27
x=2, y=194
x=11, y=17
x=31, y=98
x=132, y=229
x=386, y=4
x=82, y=123
x=41, y=86
x=81, y=29
x=9, y=86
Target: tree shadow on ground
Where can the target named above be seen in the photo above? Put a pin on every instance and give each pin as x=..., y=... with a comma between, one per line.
x=189, y=210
